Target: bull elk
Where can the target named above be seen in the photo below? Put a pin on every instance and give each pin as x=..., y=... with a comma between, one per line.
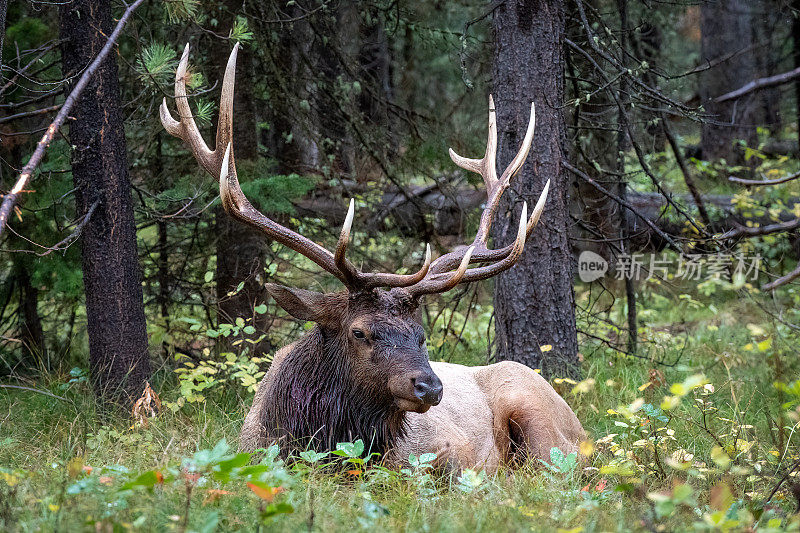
x=363, y=371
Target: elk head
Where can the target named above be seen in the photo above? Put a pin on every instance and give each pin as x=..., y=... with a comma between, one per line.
x=375, y=323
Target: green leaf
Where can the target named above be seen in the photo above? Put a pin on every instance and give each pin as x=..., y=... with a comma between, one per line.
x=237, y=461
x=682, y=493
x=350, y=449
x=148, y=480
x=274, y=509
x=427, y=458
x=211, y=523
x=157, y=63
x=313, y=456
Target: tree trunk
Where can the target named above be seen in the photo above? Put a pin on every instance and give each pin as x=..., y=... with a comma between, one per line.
x=534, y=301
x=241, y=250
x=118, y=357
x=727, y=36
x=796, y=62
x=767, y=20
x=622, y=185
x=31, y=332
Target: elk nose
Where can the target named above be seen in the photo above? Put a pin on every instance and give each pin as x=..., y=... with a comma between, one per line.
x=428, y=389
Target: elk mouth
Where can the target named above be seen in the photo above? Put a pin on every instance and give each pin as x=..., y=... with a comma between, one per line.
x=416, y=406
x=418, y=393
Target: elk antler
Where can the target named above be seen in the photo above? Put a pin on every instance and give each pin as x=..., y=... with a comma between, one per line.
x=220, y=163
x=438, y=279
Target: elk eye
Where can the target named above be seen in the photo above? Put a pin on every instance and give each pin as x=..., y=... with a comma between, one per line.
x=358, y=334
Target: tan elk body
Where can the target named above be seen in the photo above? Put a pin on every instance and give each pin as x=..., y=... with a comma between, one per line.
x=363, y=371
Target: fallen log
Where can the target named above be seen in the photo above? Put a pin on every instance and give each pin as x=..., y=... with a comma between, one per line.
x=449, y=210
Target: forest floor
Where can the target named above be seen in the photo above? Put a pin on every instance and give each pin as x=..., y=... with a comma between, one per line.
x=704, y=442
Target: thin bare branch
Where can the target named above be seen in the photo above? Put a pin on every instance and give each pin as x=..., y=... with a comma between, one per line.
x=10, y=199
x=776, y=181
x=761, y=83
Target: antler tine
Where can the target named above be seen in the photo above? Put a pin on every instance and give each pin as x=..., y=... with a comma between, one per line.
x=450, y=260
x=225, y=119
x=483, y=254
x=516, y=163
x=505, y=180
x=537, y=210
x=339, y=258
x=186, y=128
x=370, y=280
x=239, y=207
x=443, y=282
x=485, y=272
x=487, y=166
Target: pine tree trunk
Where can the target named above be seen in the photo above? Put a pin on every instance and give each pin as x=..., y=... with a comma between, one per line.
x=31, y=331
x=727, y=28
x=767, y=21
x=534, y=301
x=118, y=358
x=241, y=250
x=796, y=63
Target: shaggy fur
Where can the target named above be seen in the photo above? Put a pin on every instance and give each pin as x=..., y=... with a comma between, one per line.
x=318, y=404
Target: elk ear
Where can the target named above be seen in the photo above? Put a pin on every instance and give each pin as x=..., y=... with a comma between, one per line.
x=303, y=304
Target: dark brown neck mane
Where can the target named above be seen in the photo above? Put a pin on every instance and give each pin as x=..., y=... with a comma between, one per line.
x=315, y=403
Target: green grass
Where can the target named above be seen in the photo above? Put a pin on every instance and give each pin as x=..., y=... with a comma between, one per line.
x=723, y=439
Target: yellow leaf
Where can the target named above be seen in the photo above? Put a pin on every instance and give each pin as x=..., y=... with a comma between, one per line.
x=670, y=402
x=719, y=457
x=53, y=507
x=644, y=386
x=75, y=466
x=678, y=389
x=545, y=348
x=586, y=448
x=10, y=479
x=636, y=405
x=721, y=497
x=755, y=331
x=584, y=386
x=765, y=345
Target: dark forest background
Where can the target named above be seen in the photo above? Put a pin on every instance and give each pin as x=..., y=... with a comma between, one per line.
x=651, y=119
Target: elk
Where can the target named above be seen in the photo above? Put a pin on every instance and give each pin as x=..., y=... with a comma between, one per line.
x=363, y=371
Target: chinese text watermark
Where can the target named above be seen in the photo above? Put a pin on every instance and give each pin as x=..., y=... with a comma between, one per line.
x=698, y=267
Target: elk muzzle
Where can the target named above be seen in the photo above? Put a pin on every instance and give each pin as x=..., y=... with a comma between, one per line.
x=428, y=389
x=418, y=391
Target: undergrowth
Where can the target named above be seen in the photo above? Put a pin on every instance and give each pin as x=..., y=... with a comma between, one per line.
x=706, y=442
